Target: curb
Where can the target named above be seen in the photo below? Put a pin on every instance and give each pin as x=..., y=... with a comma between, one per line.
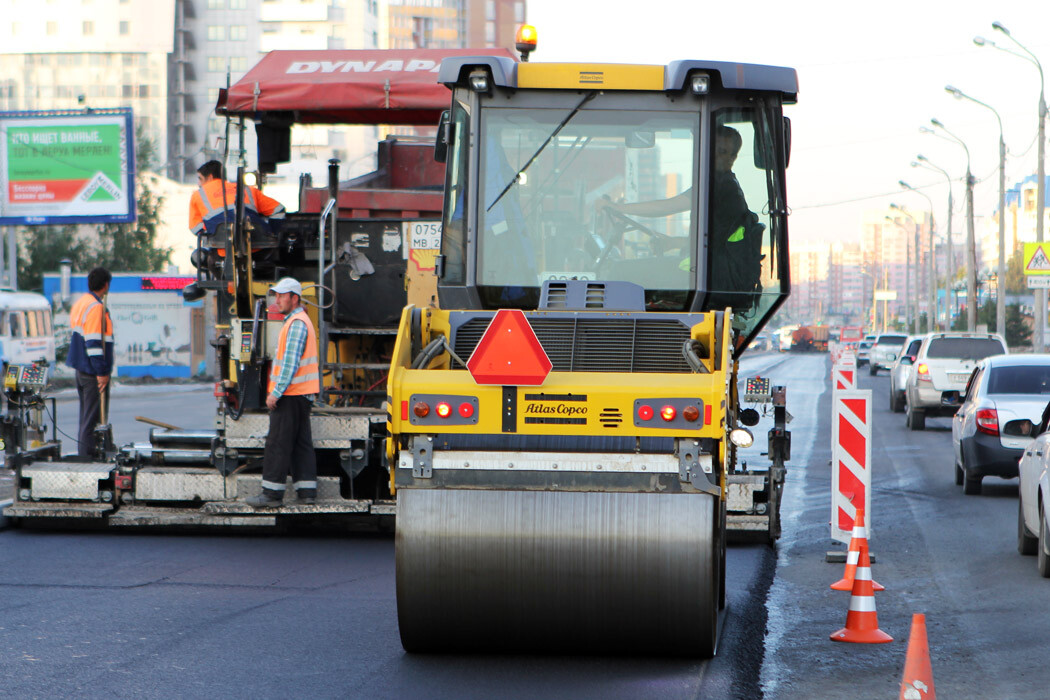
x=133, y=389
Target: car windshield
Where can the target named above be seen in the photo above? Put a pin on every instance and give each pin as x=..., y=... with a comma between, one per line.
x=1020, y=379
x=892, y=339
x=865, y=344
x=964, y=348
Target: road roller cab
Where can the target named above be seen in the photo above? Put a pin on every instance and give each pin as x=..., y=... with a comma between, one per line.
x=612, y=237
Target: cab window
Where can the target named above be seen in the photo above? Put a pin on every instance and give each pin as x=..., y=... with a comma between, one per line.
x=17, y=324
x=31, y=319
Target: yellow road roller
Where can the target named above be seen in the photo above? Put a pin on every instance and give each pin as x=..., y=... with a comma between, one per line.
x=563, y=427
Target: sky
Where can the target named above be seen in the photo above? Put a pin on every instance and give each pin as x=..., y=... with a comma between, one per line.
x=870, y=74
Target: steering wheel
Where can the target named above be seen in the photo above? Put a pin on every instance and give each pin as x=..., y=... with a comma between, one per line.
x=618, y=224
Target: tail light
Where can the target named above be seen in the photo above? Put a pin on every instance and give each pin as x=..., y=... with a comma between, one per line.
x=466, y=409
x=988, y=421
x=645, y=412
x=691, y=413
x=443, y=410
x=421, y=409
x=668, y=413
x=923, y=373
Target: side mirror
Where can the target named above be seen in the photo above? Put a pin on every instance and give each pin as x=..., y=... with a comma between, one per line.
x=444, y=136
x=640, y=139
x=1021, y=427
x=908, y=360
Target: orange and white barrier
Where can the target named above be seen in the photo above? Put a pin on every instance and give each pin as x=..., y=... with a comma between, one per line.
x=843, y=377
x=850, y=460
x=917, y=683
x=862, y=622
x=853, y=556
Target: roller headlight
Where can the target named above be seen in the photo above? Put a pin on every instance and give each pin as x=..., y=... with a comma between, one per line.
x=741, y=437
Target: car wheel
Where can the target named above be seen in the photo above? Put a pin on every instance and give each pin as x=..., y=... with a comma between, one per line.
x=897, y=401
x=1043, y=559
x=1026, y=544
x=873, y=370
x=916, y=419
x=971, y=483
x=958, y=475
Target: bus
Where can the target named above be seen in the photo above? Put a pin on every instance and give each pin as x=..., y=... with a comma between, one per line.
x=27, y=333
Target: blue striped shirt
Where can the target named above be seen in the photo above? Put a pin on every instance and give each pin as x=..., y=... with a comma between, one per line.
x=293, y=352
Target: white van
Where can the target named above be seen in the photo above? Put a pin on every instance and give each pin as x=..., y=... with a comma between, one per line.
x=26, y=331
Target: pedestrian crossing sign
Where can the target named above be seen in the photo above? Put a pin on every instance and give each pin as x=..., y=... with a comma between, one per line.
x=1037, y=258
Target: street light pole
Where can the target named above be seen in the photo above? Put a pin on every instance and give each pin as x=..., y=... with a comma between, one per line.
x=1040, y=187
x=1000, y=295
x=971, y=247
x=949, y=262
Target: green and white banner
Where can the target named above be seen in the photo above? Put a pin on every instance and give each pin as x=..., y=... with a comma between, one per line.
x=63, y=167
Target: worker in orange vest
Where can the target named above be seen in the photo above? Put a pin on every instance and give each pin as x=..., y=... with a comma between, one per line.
x=295, y=379
x=91, y=355
x=210, y=207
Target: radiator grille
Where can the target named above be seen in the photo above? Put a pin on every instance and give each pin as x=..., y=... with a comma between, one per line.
x=576, y=344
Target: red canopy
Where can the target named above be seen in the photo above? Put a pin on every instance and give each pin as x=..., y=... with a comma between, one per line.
x=347, y=87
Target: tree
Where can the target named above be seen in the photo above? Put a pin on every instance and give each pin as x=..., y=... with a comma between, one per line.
x=1015, y=281
x=42, y=248
x=133, y=247
x=1017, y=334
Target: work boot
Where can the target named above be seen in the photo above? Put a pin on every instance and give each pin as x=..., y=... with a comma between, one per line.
x=307, y=497
x=263, y=501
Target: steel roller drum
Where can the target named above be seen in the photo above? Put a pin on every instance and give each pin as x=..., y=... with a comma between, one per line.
x=564, y=571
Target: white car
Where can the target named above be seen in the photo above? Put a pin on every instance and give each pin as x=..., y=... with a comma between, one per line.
x=942, y=370
x=901, y=370
x=864, y=349
x=1033, y=528
x=1001, y=390
x=885, y=351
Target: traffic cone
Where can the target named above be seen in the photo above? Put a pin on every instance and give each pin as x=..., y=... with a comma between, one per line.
x=853, y=556
x=862, y=622
x=917, y=683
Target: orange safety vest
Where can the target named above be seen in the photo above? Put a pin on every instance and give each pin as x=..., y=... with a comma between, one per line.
x=207, y=210
x=307, y=378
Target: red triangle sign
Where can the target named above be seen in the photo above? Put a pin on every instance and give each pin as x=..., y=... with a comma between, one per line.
x=509, y=353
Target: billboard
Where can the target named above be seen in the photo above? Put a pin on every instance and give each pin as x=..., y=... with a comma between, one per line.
x=67, y=167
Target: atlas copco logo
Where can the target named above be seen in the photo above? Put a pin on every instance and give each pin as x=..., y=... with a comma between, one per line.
x=560, y=409
x=416, y=65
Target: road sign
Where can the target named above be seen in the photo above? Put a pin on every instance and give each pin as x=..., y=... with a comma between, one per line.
x=886, y=295
x=509, y=353
x=850, y=460
x=1036, y=259
x=1038, y=281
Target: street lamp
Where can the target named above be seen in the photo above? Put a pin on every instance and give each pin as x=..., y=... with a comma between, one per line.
x=931, y=282
x=971, y=253
x=1000, y=296
x=1040, y=191
x=907, y=272
x=923, y=161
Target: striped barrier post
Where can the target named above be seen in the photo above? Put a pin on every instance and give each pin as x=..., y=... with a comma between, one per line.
x=850, y=460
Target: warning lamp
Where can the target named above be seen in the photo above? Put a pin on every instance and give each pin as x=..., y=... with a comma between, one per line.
x=443, y=410
x=525, y=41
x=668, y=413
x=691, y=413
x=645, y=412
x=466, y=409
x=421, y=409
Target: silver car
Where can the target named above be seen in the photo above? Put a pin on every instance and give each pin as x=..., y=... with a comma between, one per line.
x=1002, y=389
x=901, y=370
x=864, y=349
x=1033, y=526
x=943, y=367
x=885, y=351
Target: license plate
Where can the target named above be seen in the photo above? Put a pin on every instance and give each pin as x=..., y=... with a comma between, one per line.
x=956, y=377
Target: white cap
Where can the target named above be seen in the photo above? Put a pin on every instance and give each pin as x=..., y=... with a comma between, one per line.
x=287, y=284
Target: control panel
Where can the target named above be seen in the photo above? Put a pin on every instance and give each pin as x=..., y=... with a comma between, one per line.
x=31, y=377
x=757, y=390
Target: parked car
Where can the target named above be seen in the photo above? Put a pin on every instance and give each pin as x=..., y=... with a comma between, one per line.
x=864, y=349
x=1033, y=529
x=901, y=369
x=884, y=352
x=942, y=369
x=1001, y=390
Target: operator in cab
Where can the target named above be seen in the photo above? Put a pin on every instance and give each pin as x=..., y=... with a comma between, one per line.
x=215, y=203
x=735, y=232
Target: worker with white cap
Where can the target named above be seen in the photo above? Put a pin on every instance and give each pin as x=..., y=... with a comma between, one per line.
x=295, y=379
